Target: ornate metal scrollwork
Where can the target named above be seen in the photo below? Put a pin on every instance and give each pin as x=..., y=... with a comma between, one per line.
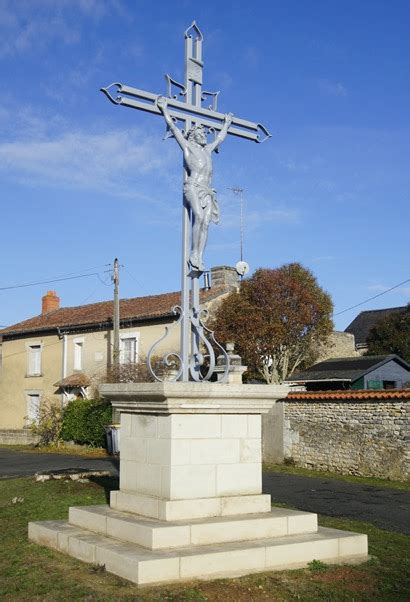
x=214, y=96
x=265, y=132
x=201, y=365
x=172, y=82
x=170, y=358
x=115, y=100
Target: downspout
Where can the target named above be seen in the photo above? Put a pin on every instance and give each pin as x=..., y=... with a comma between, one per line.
x=64, y=337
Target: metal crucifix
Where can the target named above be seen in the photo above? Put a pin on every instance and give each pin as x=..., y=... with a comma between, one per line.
x=200, y=206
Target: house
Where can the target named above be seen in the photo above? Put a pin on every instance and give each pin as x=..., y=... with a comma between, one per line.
x=65, y=351
x=363, y=323
x=363, y=372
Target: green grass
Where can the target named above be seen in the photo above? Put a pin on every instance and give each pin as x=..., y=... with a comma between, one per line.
x=31, y=572
x=307, y=472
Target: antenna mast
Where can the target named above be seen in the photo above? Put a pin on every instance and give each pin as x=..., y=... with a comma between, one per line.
x=239, y=192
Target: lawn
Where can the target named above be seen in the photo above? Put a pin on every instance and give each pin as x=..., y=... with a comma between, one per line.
x=30, y=572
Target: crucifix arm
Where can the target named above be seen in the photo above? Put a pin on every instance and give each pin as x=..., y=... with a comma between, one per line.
x=162, y=105
x=222, y=134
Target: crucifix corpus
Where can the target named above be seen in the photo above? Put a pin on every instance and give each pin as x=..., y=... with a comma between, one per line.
x=196, y=357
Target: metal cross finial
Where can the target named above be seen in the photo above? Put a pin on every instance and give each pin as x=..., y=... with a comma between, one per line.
x=183, y=103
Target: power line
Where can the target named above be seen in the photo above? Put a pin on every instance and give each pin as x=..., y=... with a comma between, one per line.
x=6, y=288
x=133, y=277
x=374, y=297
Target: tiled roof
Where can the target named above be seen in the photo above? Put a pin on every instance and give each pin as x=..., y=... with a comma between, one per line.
x=344, y=368
x=137, y=308
x=366, y=320
x=349, y=395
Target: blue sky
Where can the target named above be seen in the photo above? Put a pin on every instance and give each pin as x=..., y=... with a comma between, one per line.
x=84, y=181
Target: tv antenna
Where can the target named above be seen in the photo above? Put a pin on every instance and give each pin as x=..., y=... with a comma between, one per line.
x=242, y=267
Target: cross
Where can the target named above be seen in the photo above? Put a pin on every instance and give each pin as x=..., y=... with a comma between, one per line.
x=184, y=103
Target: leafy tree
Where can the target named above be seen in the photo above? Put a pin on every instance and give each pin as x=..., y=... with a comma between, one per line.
x=391, y=335
x=277, y=320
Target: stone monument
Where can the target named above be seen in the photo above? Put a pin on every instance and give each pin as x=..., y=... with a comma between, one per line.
x=190, y=503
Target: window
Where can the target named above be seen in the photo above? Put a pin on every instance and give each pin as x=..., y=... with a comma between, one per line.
x=33, y=407
x=129, y=348
x=34, y=360
x=78, y=354
x=389, y=384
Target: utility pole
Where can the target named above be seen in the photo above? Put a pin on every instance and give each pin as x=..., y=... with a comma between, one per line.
x=116, y=317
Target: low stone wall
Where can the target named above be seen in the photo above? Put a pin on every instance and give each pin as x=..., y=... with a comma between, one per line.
x=361, y=433
x=351, y=432
x=17, y=437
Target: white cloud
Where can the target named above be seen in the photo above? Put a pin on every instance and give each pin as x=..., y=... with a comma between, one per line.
x=332, y=88
x=29, y=25
x=108, y=161
x=254, y=219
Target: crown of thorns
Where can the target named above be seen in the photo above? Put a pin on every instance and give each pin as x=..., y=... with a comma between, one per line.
x=194, y=129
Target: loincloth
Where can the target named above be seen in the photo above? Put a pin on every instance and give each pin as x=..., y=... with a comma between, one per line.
x=207, y=198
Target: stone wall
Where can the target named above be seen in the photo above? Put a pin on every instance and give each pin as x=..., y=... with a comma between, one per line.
x=338, y=344
x=17, y=437
x=354, y=432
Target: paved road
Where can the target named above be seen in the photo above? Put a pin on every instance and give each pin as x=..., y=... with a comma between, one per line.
x=386, y=508
x=25, y=464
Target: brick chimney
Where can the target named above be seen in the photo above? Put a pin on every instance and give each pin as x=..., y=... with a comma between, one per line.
x=224, y=275
x=50, y=302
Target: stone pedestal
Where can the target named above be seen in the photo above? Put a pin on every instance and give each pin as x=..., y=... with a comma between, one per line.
x=190, y=503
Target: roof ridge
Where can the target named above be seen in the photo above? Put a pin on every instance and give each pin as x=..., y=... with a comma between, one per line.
x=133, y=308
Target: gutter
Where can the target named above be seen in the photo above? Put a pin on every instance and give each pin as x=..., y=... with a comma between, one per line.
x=64, y=337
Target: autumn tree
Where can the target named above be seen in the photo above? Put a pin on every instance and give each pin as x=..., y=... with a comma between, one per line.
x=278, y=319
x=391, y=335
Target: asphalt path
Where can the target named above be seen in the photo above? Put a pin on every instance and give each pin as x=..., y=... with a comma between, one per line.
x=386, y=508
x=25, y=464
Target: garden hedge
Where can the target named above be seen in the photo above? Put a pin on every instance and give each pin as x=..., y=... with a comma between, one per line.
x=84, y=421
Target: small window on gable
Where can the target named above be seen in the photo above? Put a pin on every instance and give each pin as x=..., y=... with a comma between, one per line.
x=34, y=360
x=389, y=384
x=128, y=349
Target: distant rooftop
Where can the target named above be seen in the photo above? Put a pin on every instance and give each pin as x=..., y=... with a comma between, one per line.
x=366, y=320
x=344, y=368
x=95, y=314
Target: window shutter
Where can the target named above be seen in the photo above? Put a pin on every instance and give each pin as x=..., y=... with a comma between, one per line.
x=34, y=363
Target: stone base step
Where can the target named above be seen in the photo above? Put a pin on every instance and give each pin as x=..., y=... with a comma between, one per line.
x=143, y=566
x=155, y=534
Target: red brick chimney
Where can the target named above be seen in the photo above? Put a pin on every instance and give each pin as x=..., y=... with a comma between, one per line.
x=50, y=301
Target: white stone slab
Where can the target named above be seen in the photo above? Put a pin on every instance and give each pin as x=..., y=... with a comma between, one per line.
x=226, y=560
x=192, y=398
x=188, y=509
x=156, y=534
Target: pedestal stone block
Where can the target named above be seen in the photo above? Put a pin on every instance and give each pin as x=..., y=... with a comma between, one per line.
x=190, y=503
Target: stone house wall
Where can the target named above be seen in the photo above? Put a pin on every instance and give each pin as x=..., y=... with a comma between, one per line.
x=362, y=433
x=338, y=344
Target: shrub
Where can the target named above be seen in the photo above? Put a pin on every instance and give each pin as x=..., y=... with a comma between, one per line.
x=128, y=373
x=49, y=423
x=84, y=421
x=139, y=372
